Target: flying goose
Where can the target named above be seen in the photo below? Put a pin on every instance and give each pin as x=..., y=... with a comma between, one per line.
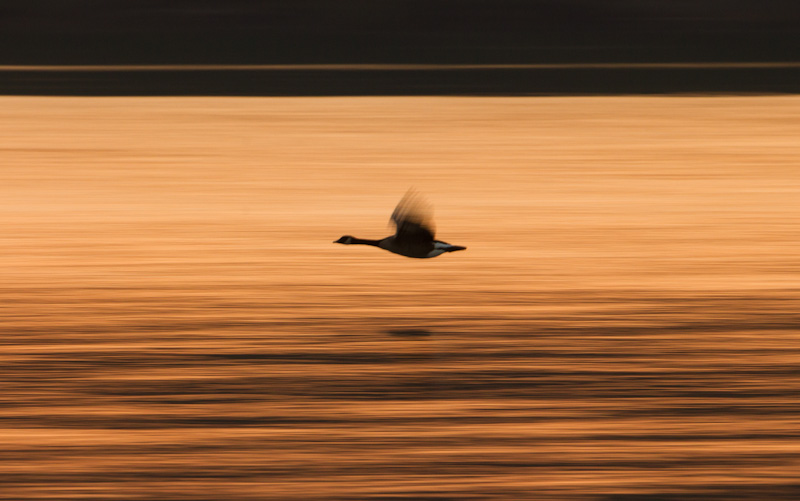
x=414, y=235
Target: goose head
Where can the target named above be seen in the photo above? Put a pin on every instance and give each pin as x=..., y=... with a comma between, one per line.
x=347, y=240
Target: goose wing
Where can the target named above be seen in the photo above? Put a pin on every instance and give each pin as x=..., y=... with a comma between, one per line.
x=413, y=217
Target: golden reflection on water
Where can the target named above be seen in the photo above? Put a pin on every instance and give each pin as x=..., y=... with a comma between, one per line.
x=177, y=325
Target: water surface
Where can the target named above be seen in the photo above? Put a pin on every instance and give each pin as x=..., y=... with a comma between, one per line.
x=176, y=323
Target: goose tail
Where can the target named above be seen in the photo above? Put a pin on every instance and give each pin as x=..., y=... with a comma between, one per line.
x=445, y=247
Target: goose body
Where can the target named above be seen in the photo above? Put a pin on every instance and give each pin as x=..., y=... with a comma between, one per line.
x=414, y=235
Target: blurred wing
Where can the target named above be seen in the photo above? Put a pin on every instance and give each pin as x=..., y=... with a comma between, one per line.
x=413, y=217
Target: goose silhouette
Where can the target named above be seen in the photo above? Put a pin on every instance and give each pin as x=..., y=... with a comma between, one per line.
x=414, y=235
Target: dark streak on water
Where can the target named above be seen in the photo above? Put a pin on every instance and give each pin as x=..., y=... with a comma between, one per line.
x=443, y=80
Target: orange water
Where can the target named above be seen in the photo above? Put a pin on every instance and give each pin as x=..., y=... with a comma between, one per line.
x=177, y=325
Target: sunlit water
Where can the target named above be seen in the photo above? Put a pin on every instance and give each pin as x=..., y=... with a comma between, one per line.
x=177, y=325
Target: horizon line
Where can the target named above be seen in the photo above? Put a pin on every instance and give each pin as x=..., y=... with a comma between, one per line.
x=392, y=67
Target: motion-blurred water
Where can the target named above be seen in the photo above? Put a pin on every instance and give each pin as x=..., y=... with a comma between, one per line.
x=176, y=323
